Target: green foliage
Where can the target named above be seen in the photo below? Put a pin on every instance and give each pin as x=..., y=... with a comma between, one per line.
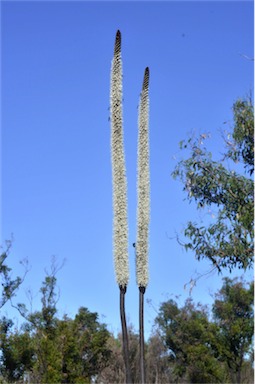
x=17, y=352
x=210, y=351
x=228, y=240
x=9, y=285
x=242, y=147
x=233, y=313
x=48, y=302
x=52, y=350
x=91, y=338
x=189, y=336
x=187, y=345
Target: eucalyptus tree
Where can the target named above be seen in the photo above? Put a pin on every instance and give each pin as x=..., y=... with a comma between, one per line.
x=227, y=241
x=234, y=314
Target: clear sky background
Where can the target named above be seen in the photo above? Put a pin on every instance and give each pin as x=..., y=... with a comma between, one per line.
x=56, y=164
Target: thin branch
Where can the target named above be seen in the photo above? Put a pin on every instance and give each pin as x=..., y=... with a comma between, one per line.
x=193, y=281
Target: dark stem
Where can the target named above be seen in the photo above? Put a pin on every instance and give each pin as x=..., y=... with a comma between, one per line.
x=124, y=333
x=141, y=333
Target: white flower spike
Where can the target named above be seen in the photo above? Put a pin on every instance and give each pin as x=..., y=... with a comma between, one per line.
x=143, y=187
x=120, y=222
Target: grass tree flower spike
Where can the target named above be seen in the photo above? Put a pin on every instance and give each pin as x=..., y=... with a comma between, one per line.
x=120, y=231
x=143, y=187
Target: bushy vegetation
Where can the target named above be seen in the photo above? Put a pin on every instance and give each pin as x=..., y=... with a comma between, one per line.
x=187, y=344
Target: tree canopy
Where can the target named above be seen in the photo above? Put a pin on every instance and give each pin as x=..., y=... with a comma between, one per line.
x=227, y=240
x=47, y=349
x=9, y=286
x=233, y=313
x=202, y=350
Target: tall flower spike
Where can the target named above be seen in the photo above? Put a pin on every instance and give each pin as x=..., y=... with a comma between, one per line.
x=120, y=223
x=143, y=187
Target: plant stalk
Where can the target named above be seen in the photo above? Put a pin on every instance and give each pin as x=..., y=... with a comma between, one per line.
x=141, y=334
x=123, y=290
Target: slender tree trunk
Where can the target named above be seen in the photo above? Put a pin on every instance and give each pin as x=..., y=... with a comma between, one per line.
x=239, y=368
x=141, y=333
x=124, y=334
x=238, y=374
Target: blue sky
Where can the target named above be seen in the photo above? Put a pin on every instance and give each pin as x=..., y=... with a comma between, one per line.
x=56, y=164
